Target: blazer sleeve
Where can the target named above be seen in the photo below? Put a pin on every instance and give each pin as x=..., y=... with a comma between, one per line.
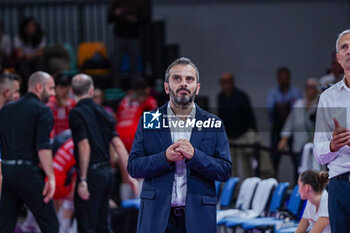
x=217, y=167
x=143, y=165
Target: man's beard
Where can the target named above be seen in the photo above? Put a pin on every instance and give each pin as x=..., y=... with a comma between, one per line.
x=182, y=101
x=45, y=97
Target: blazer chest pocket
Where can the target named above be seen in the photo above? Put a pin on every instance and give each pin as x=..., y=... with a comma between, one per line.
x=147, y=194
x=207, y=200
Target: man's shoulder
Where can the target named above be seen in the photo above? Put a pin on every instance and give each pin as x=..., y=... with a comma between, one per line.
x=295, y=91
x=205, y=114
x=162, y=109
x=331, y=90
x=9, y=106
x=74, y=111
x=273, y=91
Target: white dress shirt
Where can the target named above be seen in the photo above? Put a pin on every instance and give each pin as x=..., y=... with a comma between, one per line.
x=299, y=124
x=334, y=103
x=178, y=197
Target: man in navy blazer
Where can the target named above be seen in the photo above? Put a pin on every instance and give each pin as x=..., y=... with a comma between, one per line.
x=179, y=150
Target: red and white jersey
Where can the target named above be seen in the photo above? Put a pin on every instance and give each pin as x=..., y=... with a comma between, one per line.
x=60, y=114
x=63, y=162
x=128, y=115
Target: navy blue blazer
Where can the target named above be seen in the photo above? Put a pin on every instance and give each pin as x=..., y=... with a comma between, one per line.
x=211, y=161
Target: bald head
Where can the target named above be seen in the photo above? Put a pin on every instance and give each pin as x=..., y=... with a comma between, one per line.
x=41, y=84
x=38, y=77
x=82, y=84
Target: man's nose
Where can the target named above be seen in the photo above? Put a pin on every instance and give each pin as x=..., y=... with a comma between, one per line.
x=183, y=83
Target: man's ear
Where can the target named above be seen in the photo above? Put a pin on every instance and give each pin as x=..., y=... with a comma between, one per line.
x=6, y=93
x=166, y=88
x=337, y=56
x=198, y=87
x=39, y=87
x=91, y=92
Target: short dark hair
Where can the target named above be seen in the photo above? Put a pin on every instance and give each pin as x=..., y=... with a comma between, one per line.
x=62, y=80
x=6, y=78
x=283, y=69
x=34, y=40
x=180, y=61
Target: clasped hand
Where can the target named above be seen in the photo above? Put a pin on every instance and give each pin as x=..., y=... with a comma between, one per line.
x=181, y=149
x=340, y=137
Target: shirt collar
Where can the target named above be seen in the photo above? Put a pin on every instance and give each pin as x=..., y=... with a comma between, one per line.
x=343, y=85
x=85, y=101
x=31, y=95
x=191, y=115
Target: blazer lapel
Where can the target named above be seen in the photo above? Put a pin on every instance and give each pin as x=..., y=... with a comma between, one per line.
x=164, y=132
x=197, y=133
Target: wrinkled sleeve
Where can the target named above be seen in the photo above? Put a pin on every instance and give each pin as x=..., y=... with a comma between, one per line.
x=323, y=133
x=44, y=127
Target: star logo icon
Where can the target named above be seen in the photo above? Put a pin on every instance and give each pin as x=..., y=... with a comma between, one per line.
x=155, y=115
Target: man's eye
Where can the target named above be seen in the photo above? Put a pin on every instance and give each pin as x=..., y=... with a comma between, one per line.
x=190, y=79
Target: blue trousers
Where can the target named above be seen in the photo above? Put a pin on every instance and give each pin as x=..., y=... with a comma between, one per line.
x=339, y=205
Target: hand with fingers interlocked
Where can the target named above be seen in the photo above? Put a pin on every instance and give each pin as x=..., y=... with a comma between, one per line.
x=185, y=148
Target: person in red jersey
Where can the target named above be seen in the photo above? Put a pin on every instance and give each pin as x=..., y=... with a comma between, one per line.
x=63, y=164
x=65, y=174
x=131, y=109
x=61, y=104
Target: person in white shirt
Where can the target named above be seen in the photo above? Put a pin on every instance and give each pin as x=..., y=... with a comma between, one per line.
x=312, y=188
x=335, y=74
x=332, y=139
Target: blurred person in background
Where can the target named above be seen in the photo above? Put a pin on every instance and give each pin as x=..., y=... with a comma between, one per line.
x=280, y=100
x=61, y=104
x=27, y=156
x=9, y=88
x=99, y=98
x=130, y=110
x=235, y=110
x=9, y=91
x=29, y=44
x=93, y=130
x=65, y=174
x=300, y=123
x=5, y=47
x=335, y=74
x=127, y=17
x=315, y=218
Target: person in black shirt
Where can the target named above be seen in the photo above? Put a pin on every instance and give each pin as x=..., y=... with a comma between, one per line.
x=235, y=110
x=128, y=16
x=93, y=130
x=9, y=91
x=25, y=127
